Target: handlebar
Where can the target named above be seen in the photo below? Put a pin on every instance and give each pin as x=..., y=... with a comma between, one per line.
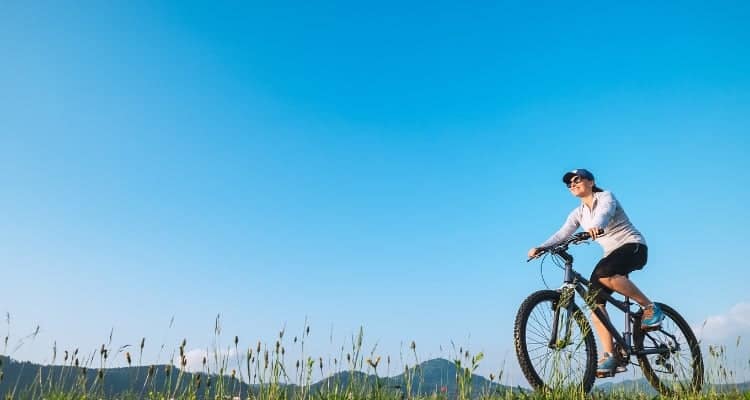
x=562, y=246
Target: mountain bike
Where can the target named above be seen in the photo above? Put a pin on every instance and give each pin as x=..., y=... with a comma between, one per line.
x=556, y=349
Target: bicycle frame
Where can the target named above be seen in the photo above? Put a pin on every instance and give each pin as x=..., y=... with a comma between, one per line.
x=556, y=346
x=574, y=281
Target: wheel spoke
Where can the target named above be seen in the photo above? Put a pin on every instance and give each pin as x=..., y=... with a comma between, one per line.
x=679, y=367
x=566, y=364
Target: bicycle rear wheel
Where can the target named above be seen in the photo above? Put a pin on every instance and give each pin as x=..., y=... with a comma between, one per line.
x=679, y=368
x=567, y=362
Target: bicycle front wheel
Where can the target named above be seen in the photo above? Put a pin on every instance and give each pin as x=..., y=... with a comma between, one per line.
x=677, y=368
x=564, y=359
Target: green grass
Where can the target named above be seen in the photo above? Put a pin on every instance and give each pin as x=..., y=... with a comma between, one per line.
x=261, y=371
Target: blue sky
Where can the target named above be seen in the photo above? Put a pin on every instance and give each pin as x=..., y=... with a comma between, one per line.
x=383, y=165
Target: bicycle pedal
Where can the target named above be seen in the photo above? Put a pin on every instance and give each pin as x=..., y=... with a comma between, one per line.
x=605, y=374
x=650, y=328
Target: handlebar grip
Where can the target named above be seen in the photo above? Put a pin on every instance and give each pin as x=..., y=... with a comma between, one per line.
x=586, y=235
x=540, y=252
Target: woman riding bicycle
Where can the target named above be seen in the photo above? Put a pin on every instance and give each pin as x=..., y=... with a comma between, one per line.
x=625, y=251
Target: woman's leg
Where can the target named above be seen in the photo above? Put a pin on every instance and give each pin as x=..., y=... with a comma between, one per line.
x=604, y=336
x=611, y=273
x=621, y=284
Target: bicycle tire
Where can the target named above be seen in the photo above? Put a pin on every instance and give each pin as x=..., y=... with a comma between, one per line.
x=659, y=370
x=580, y=376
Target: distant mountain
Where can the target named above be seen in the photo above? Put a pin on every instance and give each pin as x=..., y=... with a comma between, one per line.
x=634, y=385
x=30, y=379
x=433, y=376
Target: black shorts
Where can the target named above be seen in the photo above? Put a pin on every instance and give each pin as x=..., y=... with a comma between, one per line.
x=624, y=260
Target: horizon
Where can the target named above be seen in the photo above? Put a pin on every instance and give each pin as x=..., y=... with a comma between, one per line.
x=370, y=372
x=342, y=166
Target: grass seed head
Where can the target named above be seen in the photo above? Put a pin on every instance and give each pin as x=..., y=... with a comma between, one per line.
x=374, y=363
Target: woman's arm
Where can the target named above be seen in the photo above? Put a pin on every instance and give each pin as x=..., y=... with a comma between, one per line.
x=568, y=228
x=605, y=209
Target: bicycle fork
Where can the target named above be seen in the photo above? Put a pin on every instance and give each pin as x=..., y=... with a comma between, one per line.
x=564, y=310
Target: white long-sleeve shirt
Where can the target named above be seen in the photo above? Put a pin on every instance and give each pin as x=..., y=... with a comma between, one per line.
x=605, y=213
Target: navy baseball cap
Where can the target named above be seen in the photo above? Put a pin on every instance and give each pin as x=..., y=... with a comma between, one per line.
x=583, y=173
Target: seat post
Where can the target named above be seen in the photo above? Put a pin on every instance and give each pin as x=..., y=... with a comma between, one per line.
x=627, y=335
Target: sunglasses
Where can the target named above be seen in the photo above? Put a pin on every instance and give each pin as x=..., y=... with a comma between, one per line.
x=574, y=181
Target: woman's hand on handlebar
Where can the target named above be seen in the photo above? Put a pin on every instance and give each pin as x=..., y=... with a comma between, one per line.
x=595, y=232
x=534, y=252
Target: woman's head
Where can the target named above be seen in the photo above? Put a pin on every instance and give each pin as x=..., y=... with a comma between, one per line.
x=580, y=182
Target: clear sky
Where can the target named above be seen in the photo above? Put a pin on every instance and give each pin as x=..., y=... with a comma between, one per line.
x=382, y=164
